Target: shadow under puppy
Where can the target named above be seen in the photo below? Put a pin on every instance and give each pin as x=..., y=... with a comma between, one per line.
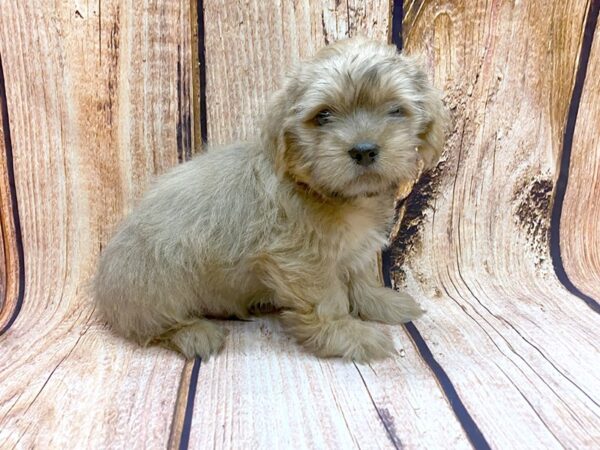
x=292, y=218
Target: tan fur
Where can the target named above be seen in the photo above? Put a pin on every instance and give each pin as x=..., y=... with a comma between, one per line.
x=286, y=220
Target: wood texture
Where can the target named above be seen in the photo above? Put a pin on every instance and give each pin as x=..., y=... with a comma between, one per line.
x=97, y=94
x=10, y=264
x=265, y=392
x=580, y=227
x=519, y=348
x=250, y=46
x=102, y=95
x=263, y=382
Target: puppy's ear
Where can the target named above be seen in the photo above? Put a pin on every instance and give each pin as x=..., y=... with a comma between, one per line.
x=272, y=130
x=435, y=122
x=276, y=124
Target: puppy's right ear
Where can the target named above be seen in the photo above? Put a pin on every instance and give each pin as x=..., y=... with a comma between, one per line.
x=434, y=117
x=433, y=135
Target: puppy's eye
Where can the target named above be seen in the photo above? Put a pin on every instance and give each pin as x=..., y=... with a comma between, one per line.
x=322, y=117
x=397, y=112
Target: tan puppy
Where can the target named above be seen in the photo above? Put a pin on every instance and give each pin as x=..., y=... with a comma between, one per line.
x=291, y=219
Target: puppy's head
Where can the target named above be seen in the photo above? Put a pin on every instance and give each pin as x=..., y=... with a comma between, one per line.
x=355, y=120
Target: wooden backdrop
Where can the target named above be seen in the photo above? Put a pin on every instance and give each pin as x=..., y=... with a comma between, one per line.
x=501, y=242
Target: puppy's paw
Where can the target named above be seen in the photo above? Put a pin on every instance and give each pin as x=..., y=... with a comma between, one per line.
x=370, y=345
x=201, y=338
x=354, y=340
x=389, y=306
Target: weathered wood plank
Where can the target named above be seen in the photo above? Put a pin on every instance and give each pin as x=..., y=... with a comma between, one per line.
x=3, y=275
x=580, y=222
x=5, y=200
x=520, y=350
x=250, y=45
x=99, y=95
x=10, y=246
x=263, y=391
x=186, y=391
x=266, y=392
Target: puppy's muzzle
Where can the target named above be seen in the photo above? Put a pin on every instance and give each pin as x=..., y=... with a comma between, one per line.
x=365, y=153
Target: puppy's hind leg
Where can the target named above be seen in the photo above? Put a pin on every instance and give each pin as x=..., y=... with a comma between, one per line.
x=197, y=337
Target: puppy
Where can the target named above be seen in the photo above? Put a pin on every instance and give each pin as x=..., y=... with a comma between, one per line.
x=290, y=220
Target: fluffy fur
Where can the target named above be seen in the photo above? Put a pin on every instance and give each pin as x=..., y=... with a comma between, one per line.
x=286, y=220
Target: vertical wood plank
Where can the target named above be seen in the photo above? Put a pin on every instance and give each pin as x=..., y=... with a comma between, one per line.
x=264, y=391
x=11, y=257
x=100, y=100
x=250, y=45
x=179, y=435
x=580, y=221
x=473, y=243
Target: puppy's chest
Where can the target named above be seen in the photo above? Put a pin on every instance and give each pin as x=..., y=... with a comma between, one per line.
x=361, y=233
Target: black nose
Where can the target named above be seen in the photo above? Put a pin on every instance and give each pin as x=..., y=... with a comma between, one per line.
x=364, y=153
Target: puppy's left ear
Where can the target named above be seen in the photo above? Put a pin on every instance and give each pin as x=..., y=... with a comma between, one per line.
x=276, y=121
x=435, y=124
x=273, y=128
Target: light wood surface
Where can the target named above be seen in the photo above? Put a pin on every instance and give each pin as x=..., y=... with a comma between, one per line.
x=249, y=47
x=10, y=283
x=103, y=95
x=314, y=403
x=520, y=349
x=92, y=90
x=580, y=225
x=265, y=392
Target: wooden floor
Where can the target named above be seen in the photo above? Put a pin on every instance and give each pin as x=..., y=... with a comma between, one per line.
x=501, y=242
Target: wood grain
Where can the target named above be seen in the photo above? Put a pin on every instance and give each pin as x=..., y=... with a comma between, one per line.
x=99, y=95
x=580, y=222
x=265, y=392
x=263, y=382
x=3, y=275
x=186, y=391
x=4, y=199
x=11, y=283
x=519, y=348
x=250, y=45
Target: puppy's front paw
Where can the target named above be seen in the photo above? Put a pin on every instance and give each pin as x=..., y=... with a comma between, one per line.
x=354, y=340
x=345, y=337
x=388, y=306
x=369, y=344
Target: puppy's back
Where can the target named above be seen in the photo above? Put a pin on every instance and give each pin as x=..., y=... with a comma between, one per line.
x=202, y=215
